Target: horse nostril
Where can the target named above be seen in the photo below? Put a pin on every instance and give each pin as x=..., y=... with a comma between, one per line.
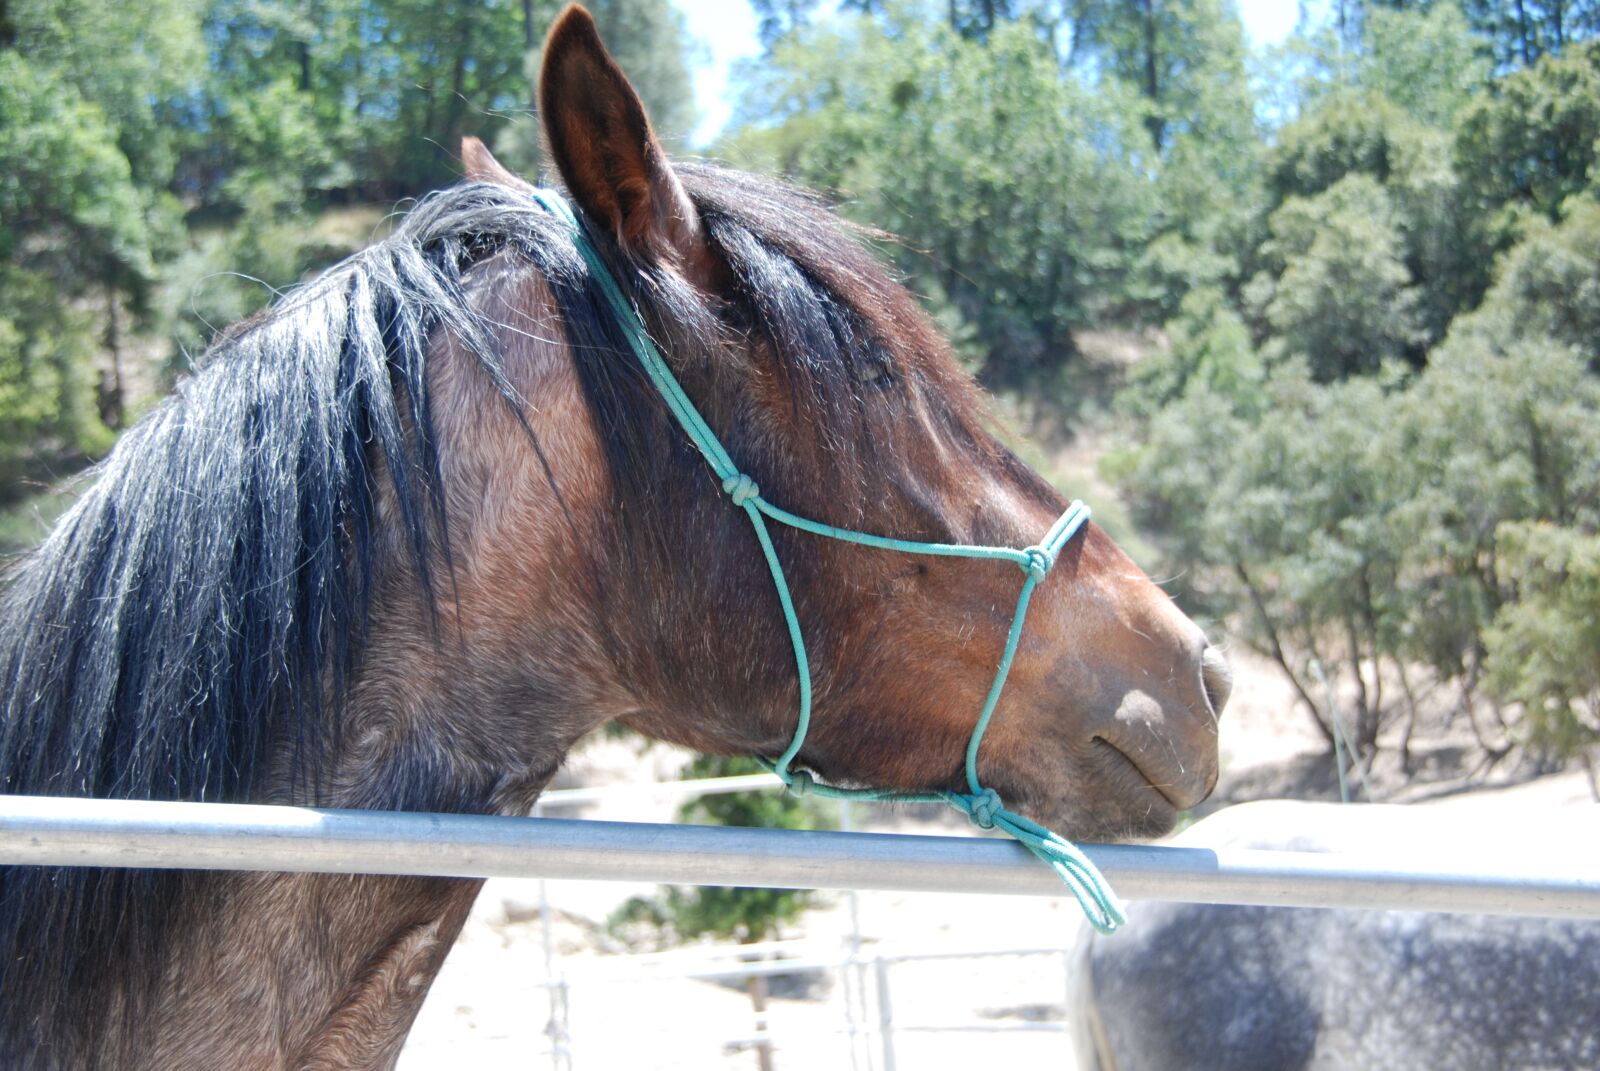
x=1216, y=678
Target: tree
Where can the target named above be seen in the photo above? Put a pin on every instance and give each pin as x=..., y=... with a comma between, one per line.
x=1359, y=523
x=1428, y=62
x=1016, y=191
x=1200, y=115
x=1185, y=59
x=1524, y=31
x=73, y=226
x=389, y=88
x=1523, y=150
x=1544, y=647
x=137, y=65
x=1546, y=288
x=1208, y=349
x=1337, y=292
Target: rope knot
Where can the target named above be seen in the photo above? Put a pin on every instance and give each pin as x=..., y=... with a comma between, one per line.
x=1039, y=562
x=801, y=783
x=985, y=805
x=740, y=488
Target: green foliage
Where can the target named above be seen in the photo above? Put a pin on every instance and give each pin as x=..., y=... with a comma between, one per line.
x=1357, y=522
x=1016, y=192
x=123, y=128
x=24, y=523
x=1524, y=149
x=1544, y=648
x=1347, y=132
x=1208, y=350
x=1427, y=61
x=1337, y=292
x=1522, y=31
x=387, y=89
x=743, y=914
x=1186, y=60
x=202, y=290
x=135, y=63
x=72, y=221
x=1547, y=287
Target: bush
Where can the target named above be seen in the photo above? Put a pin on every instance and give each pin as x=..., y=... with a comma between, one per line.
x=1544, y=647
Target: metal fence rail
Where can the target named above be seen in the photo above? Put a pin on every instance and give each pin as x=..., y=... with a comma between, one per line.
x=77, y=832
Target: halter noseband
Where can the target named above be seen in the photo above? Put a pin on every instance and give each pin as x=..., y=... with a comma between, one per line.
x=981, y=805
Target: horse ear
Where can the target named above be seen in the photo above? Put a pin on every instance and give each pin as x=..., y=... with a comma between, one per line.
x=607, y=153
x=481, y=166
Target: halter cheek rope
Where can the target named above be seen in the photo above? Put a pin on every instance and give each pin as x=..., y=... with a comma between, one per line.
x=981, y=805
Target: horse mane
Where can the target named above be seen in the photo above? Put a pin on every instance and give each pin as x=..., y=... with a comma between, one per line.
x=205, y=602
x=205, y=599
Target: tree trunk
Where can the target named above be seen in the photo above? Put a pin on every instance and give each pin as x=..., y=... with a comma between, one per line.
x=1363, y=703
x=1407, y=767
x=1523, y=34
x=1154, y=122
x=1369, y=618
x=1469, y=707
x=302, y=50
x=111, y=401
x=756, y=986
x=1277, y=651
x=456, y=109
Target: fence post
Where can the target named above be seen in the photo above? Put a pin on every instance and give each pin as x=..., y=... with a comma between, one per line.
x=880, y=969
x=854, y=974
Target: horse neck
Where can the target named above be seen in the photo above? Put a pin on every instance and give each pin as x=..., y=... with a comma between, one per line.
x=297, y=971
x=313, y=970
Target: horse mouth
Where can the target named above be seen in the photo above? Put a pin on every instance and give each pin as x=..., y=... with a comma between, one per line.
x=1174, y=795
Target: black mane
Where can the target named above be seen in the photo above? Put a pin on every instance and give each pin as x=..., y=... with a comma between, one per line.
x=205, y=601
x=206, y=597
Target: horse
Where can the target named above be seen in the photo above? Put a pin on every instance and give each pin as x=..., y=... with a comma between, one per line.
x=1217, y=987
x=401, y=540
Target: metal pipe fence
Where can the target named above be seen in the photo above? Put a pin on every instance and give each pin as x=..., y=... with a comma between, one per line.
x=880, y=1029
x=123, y=833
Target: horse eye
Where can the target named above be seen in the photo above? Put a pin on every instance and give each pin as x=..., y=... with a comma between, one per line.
x=875, y=370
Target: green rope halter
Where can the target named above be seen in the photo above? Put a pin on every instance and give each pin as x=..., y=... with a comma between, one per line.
x=981, y=805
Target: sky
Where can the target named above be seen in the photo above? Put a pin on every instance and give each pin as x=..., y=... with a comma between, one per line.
x=726, y=32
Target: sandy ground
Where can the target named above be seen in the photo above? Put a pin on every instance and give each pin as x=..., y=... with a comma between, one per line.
x=490, y=1008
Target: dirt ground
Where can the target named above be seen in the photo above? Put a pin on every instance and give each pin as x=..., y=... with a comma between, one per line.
x=490, y=1008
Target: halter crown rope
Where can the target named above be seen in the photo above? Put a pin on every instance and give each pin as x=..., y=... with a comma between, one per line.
x=981, y=805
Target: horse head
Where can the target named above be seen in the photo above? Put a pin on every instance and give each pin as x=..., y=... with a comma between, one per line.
x=836, y=394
